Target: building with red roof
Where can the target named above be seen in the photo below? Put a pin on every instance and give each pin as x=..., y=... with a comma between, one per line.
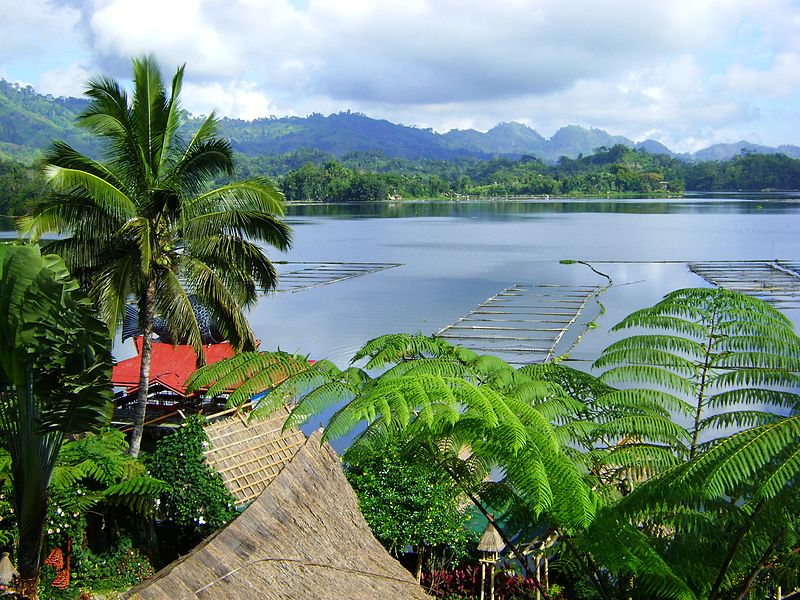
x=170, y=368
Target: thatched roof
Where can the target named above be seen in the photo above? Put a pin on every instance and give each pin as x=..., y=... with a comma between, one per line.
x=491, y=540
x=248, y=455
x=302, y=538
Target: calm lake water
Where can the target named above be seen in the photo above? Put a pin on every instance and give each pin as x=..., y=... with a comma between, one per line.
x=455, y=256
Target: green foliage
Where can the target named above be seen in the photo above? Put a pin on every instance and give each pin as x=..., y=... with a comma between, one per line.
x=109, y=572
x=29, y=121
x=746, y=172
x=674, y=475
x=55, y=379
x=96, y=469
x=196, y=499
x=20, y=184
x=119, y=568
x=94, y=477
x=718, y=357
x=470, y=414
x=722, y=518
x=363, y=178
x=417, y=163
x=145, y=224
x=407, y=504
x=250, y=373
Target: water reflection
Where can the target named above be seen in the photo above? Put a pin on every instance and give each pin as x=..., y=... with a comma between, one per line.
x=504, y=209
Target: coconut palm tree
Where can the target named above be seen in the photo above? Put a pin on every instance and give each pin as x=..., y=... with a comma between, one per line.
x=55, y=369
x=143, y=223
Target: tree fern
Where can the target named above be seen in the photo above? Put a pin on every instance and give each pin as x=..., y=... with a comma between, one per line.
x=478, y=413
x=708, y=350
x=724, y=366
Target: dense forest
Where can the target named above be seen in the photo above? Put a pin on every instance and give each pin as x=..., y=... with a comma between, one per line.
x=311, y=175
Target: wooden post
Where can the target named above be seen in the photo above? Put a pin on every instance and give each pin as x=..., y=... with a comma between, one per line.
x=491, y=581
x=538, y=575
x=546, y=574
x=483, y=580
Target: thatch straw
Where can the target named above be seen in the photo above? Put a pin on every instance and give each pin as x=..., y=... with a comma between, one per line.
x=250, y=455
x=303, y=537
x=491, y=540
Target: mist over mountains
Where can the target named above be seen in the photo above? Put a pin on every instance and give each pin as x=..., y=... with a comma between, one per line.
x=30, y=121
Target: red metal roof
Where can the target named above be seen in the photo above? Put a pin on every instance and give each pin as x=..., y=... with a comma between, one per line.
x=170, y=365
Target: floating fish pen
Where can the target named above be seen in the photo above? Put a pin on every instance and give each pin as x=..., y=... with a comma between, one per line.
x=522, y=324
x=776, y=281
x=297, y=276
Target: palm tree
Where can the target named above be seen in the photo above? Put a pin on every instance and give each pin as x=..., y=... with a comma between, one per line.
x=143, y=223
x=55, y=369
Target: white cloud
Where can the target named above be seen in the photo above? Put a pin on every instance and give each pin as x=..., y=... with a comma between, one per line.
x=37, y=35
x=237, y=99
x=34, y=26
x=681, y=71
x=66, y=81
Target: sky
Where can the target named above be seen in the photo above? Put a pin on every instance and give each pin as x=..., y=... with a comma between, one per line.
x=687, y=73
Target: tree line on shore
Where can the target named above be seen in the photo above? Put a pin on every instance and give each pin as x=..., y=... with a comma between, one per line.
x=310, y=175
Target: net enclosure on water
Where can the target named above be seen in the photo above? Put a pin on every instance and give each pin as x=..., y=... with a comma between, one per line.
x=774, y=281
x=299, y=275
x=522, y=324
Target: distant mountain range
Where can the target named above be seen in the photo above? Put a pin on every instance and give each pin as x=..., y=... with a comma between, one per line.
x=29, y=121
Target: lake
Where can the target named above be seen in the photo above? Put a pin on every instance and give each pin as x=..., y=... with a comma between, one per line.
x=454, y=256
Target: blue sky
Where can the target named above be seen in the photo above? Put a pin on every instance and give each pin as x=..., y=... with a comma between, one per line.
x=685, y=72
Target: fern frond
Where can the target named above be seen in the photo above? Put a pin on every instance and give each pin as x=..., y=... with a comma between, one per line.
x=671, y=344
x=325, y=395
x=557, y=409
x=647, y=319
x=736, y=460
x=626, y=551
x=66, y=477
x=641, y=401
x=754, y=397
x=762, y=359
x=396, y=347
x=644, y=427
x=536, y=392
x=429, y=366
x=137, y=493
x=653, y=375
x=247, y=373
x=645, y=357
x=739, y=419
x=638, y=456
x=749, y=378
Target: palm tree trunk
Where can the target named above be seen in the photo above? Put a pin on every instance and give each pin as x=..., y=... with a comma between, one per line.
x=144, y=371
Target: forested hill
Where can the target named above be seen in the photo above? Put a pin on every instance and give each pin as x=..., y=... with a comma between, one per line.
x=29, y=121
x=349, y=157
